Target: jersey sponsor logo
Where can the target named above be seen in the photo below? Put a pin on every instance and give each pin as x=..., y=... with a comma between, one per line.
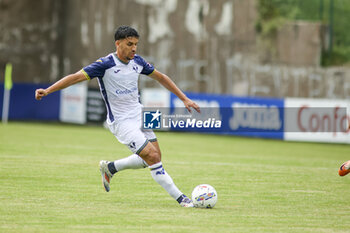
x=135, y=68
x=152, y=119
x=117, y=71
x=126, y=91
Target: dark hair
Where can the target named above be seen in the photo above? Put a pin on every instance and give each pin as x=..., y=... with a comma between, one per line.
x=125, y=31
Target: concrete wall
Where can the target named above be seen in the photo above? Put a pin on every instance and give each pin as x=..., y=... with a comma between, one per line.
x=31, y=38
x=299, y=43
x=203, y=45
x=254, y=79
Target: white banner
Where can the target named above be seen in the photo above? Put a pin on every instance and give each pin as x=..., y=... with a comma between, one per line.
x=73, y=104
x=155, y=97
x=317, y=120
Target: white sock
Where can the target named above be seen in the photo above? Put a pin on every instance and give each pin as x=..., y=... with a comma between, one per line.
x=131, y=162
x=161, y=177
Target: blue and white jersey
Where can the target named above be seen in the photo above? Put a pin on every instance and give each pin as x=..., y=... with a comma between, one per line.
x=119, y=84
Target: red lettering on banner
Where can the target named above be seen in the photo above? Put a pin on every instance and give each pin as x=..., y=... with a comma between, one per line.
x=299, y=118
x=345, y=128
x=313, y=121
x=329, y=124
x=335, y=120
x=316, y=119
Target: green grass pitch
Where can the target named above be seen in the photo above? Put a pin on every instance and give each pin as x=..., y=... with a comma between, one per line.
x=50, y=182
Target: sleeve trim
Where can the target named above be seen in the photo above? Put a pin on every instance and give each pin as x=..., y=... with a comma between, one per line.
x=85, y=74
x=151, y=72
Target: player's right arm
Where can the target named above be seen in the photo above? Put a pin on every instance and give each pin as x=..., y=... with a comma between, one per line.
x=61, y=84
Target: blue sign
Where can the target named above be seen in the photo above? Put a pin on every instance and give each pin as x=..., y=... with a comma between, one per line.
x=244, y=116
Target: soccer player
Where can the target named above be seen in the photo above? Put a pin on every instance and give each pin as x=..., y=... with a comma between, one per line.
x=117, y=75
x=344, y=168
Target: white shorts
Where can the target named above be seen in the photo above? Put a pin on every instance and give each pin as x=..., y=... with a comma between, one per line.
x=129, y=133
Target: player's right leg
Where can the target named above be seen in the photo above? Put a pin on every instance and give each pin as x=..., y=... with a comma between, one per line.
x=108, y=169
x=344, y=168
x=127, y=132
x=151, y=154
x=106, y=174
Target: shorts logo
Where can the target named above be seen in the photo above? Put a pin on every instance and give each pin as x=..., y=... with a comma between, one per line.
x=151, y=119
x=132, y=145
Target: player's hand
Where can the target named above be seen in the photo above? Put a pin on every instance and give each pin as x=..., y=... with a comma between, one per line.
x=190, y=104
x=40, y=93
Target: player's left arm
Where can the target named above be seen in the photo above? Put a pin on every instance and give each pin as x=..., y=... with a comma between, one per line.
x=165, y=81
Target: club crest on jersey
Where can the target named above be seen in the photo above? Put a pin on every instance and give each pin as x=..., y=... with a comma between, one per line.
x=152, y=119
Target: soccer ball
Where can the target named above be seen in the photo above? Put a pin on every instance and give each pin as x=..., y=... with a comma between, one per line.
x=204, y=196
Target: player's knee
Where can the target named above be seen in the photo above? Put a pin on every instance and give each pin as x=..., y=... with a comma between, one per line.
x=150, y=154
x=159, y=154
x=153, y=157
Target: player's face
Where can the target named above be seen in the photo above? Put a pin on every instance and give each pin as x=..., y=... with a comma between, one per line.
x=126, y=48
